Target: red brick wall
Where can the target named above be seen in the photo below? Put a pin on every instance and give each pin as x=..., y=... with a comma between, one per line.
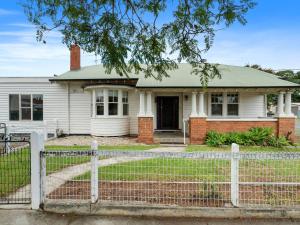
x=145, y=129
x=286, y=127
x=75, y=57
x=197, y=130
x=239, y=126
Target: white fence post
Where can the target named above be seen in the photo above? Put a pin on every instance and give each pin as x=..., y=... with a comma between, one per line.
x=45, y=130
x=7, y=138
x=37, y=145
x=94, y=172
x=235, y=175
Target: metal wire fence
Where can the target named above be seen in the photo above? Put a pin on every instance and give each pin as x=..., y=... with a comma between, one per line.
x=15, y=172
x=201, y=179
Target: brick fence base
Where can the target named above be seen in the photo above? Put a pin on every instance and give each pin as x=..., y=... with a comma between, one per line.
x=145, y=129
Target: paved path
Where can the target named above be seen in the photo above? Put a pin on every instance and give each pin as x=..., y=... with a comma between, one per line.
x=55, y=180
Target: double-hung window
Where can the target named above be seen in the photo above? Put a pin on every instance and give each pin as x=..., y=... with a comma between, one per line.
x=99, y=103
x=26, y=107
x=125, y=103
x=232, y=104
x=217, y=104
x=113, y=102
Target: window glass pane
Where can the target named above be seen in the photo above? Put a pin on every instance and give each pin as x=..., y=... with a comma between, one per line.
x=37, y=107
x=232, y=98
x=112, y=96
x=113, y=109
x=233, y=109
x=26, y=113
x=99, y=96
x=217, y=109
x=125, y=109
x=125, y=96
x=100, y=109
x=217, y=98
x=14, y=107
x=25, y=101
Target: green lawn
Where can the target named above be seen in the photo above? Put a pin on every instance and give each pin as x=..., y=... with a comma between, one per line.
x=206, y=170
x=14, y=167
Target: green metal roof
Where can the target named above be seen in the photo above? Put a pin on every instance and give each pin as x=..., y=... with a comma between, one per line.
x=231, y=76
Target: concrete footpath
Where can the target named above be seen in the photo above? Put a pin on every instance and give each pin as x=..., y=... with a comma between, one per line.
x=30, y=217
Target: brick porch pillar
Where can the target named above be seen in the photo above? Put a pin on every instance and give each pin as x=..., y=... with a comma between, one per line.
x=145, y=129
x=286, y=127
x=145, y=119
x=197, y=130
x=197, y=122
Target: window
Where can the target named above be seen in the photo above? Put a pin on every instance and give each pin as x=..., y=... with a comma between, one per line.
x=37, y=107
x=113, y=102
x=25, y=107
x=99, y=103
x=232, y=104
x=125, y=103
x=217, y=104
x=14, y=112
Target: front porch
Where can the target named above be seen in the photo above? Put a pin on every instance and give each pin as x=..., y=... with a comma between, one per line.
x=165, y=115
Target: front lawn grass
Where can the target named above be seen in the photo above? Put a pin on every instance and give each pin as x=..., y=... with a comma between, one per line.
x=204, y=170
x=14, y=167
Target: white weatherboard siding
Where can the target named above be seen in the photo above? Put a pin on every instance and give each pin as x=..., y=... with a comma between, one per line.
x=55, y=101
x=252, y=105
x=110, y=126
x=80, y=110
x=134, y=104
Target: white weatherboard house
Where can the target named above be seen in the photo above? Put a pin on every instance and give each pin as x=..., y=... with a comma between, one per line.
x=86, y=100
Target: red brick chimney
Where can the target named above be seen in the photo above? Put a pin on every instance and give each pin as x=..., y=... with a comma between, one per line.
x=74, y=57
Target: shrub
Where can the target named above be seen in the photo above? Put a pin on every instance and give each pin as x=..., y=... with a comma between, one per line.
x=255, y=136
x=215, y=139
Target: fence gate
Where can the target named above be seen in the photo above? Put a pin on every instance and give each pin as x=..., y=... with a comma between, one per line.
x=14, y=169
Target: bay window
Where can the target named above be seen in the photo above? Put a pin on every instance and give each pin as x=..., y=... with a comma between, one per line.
x=232, y=104
x=217, y=104
x=113, y=102
x=26, y=107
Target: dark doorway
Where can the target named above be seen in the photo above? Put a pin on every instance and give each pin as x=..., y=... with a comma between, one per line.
x=167, y=112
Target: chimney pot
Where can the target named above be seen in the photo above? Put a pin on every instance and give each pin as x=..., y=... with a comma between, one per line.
x=75, y=57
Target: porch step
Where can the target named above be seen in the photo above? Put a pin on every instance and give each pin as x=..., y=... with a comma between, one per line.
x=173, y=145
x=170, y=140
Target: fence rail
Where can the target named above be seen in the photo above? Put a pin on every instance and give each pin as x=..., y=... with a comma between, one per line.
x=201, y=179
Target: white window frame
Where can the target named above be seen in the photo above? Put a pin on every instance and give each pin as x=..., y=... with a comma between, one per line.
x=20, y=106
x=212, y=103
x=99, y=102
x=125, y=93
x=115, y=95
x=238, y=104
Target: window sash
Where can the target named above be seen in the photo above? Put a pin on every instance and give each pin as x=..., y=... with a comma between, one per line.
x=14, y=107
x=26, y=107
x=37, y=107
x=217, y=104
x=232, y=104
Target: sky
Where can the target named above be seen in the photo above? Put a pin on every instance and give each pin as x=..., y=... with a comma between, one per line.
x=271, y=38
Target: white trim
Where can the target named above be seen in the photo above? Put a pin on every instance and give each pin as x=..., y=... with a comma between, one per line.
x=242, y=119
x=115, y=87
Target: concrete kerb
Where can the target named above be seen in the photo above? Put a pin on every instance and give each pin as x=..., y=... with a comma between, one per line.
x=100, y=209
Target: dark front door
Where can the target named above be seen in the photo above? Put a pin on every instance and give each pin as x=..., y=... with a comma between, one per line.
x=167, y=112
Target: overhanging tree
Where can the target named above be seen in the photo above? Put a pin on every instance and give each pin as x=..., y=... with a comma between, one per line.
x=135, y=35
